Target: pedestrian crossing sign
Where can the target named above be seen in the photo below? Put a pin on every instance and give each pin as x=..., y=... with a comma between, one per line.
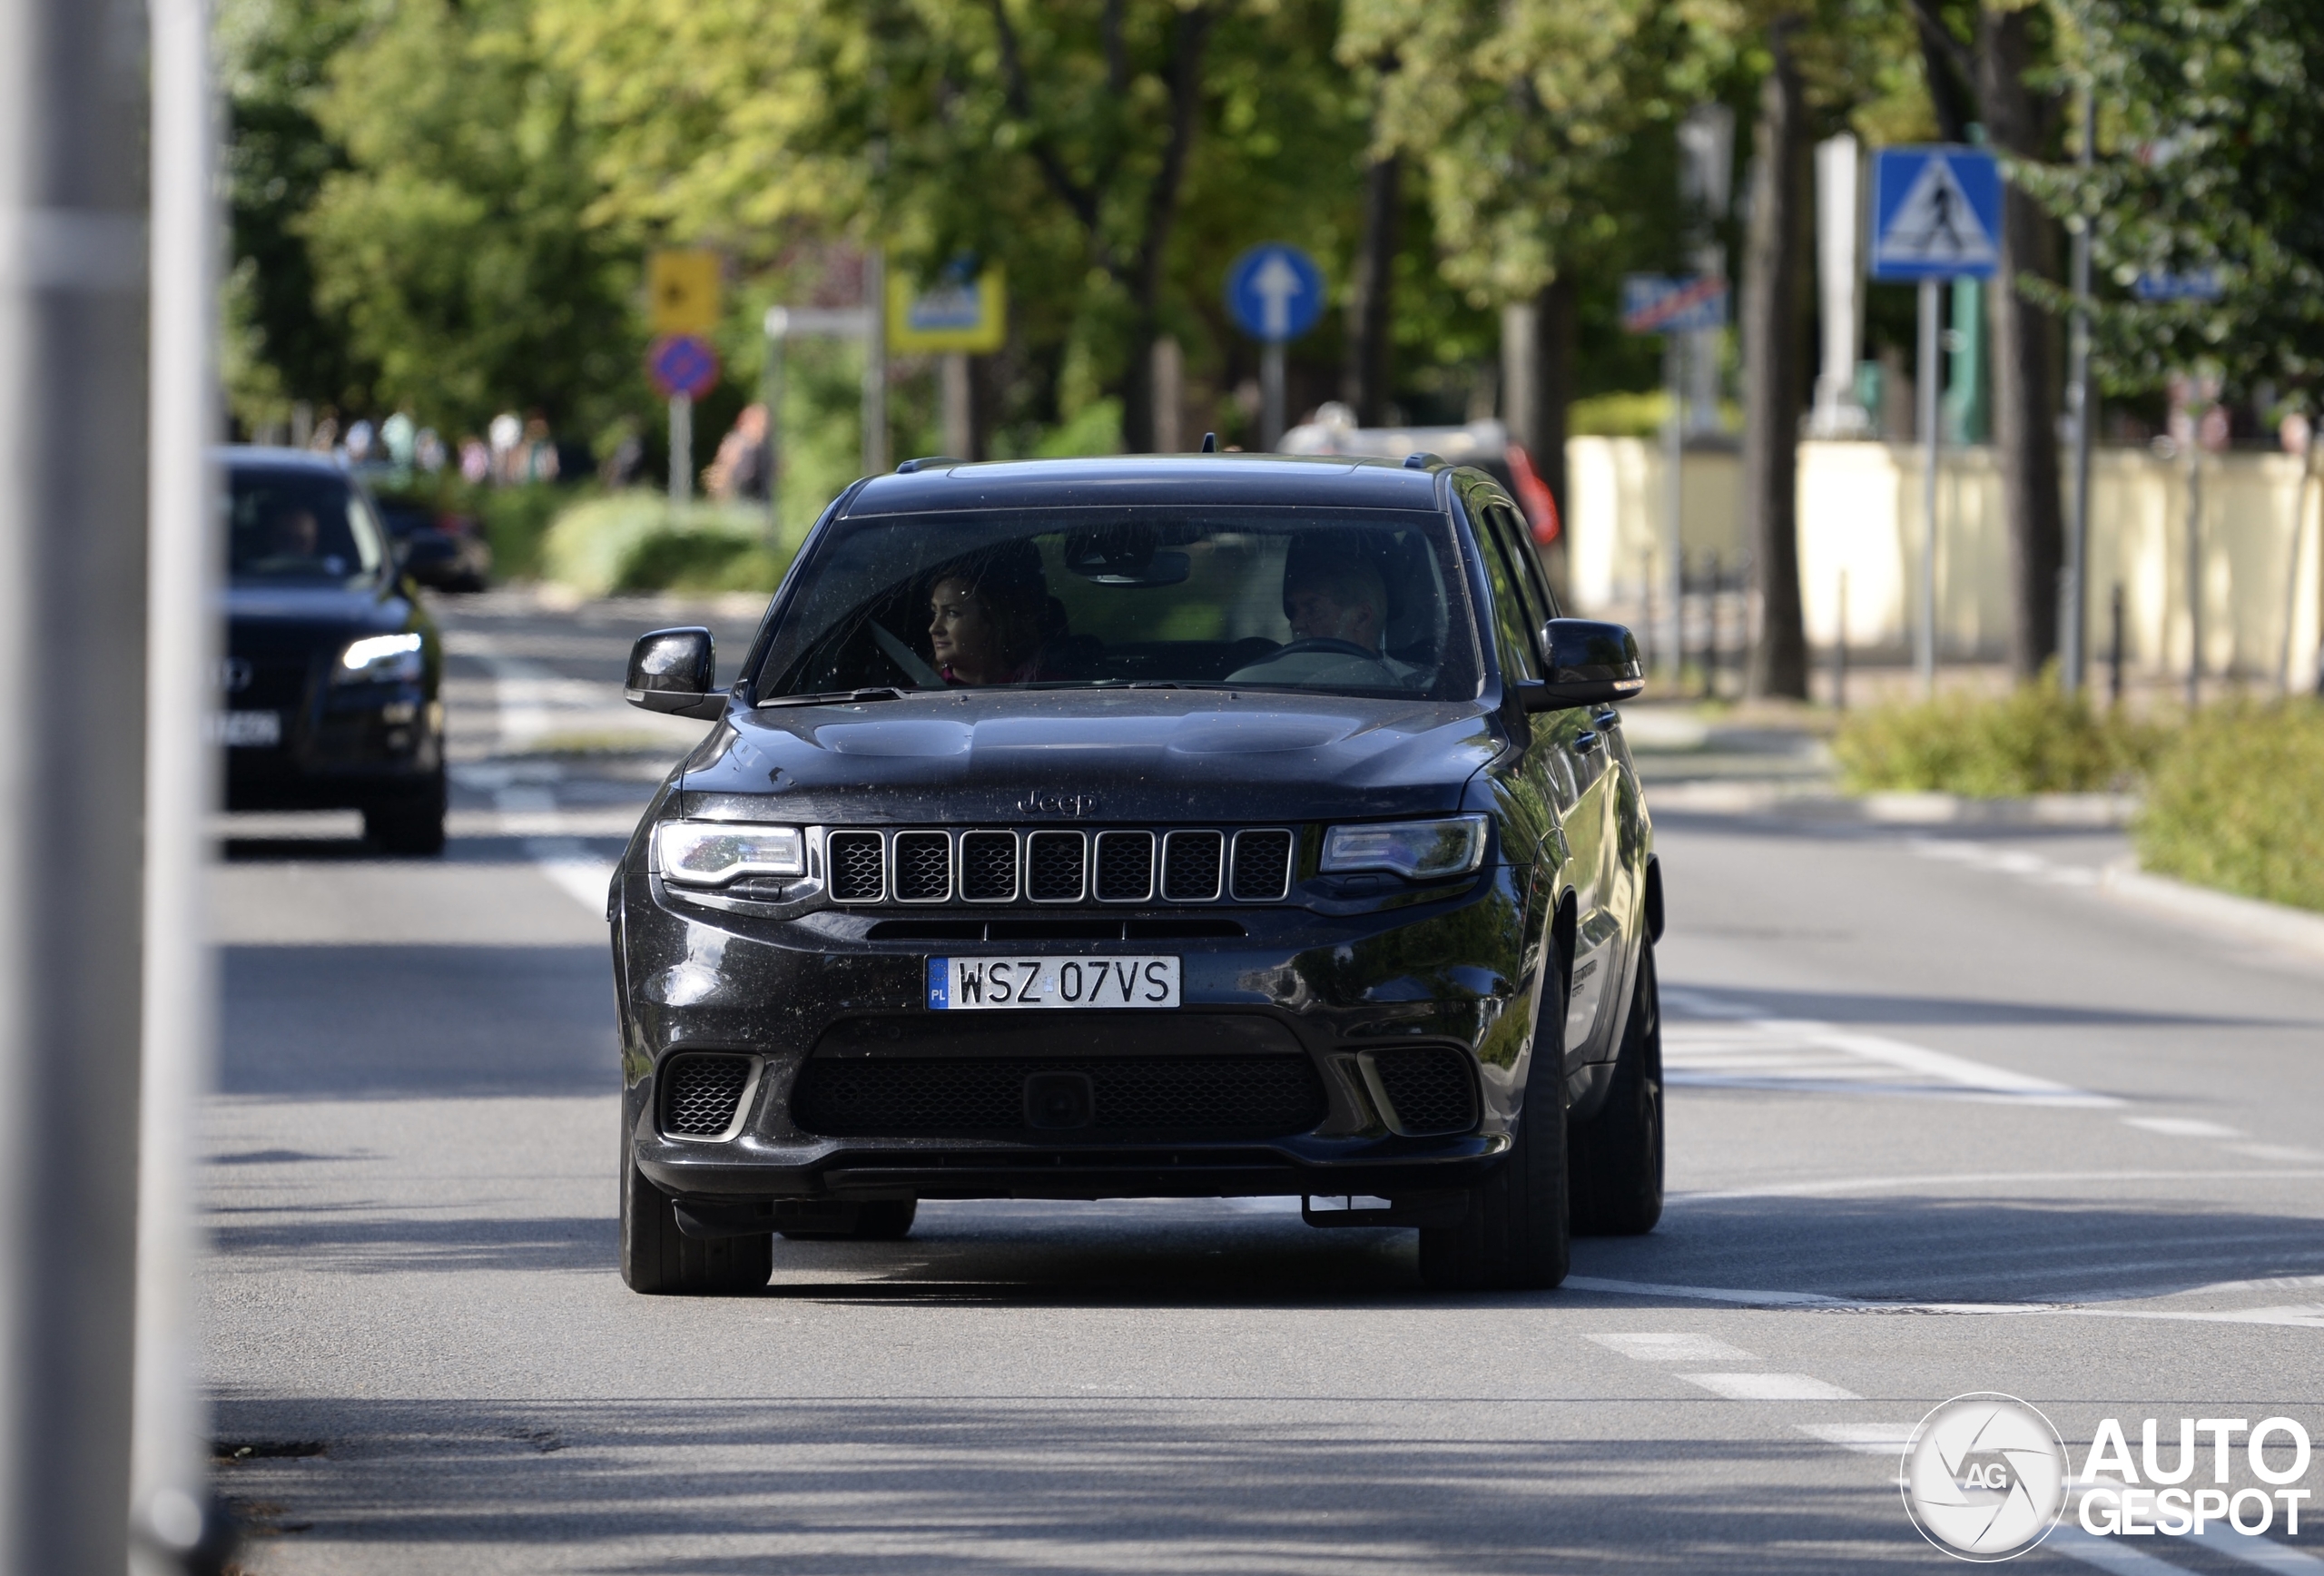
x=1935, y=213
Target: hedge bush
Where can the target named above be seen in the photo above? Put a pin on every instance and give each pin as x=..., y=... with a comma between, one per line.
x=635, y=541
x=2035, y=740
x=2236, y=803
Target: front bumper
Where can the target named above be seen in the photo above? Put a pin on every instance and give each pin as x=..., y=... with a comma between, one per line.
x=357, y=746
x=1446, y=971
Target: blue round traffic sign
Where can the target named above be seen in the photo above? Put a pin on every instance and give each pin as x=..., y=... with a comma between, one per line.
x=1275, y=291
x=683, y=364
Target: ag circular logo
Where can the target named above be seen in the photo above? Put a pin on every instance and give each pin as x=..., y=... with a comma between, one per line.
x=1985, y=1477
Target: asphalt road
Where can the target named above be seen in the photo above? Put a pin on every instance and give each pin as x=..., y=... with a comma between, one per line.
x=1943, y=1117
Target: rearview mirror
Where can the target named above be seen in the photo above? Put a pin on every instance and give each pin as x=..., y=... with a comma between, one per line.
x=1588, y=663
x=671, y=671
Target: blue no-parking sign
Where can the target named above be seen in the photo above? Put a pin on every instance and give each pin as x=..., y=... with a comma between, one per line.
x=1935, y=213
x=1275, y=291
x=683, y=364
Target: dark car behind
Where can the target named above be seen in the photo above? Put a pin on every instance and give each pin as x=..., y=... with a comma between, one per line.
x=329, y=690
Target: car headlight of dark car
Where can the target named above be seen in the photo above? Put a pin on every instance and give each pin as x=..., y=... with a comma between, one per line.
x=704, y=854
x=382, y=659
x=1417, y=849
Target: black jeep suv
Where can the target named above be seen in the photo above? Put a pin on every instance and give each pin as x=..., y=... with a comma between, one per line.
x=1200, y=825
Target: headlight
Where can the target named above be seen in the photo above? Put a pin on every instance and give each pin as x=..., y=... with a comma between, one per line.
x=1419, y=848
x=709, y=854
x=382, y=659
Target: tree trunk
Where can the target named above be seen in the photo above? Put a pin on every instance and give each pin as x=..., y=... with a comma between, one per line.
x=1775, y=278
x=1189, y=36
x=1371, y=294
x=2025, y=372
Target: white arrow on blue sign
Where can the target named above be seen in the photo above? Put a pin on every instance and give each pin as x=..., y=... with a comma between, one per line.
x=1274, y=291
x=1935, y=213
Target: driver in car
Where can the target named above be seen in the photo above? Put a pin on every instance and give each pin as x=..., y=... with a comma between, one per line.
x=985, y=619
x=1337, y=607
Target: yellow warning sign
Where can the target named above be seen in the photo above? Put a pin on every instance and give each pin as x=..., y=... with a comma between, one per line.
x=961, y=311
x=681, y=288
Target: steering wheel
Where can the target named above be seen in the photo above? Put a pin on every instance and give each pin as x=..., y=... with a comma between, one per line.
x=1322, y=647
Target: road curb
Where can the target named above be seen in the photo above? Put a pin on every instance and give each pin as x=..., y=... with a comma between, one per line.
x=1730, y=797
x=2277, y=924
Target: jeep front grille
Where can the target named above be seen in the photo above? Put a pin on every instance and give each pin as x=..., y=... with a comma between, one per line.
x=929, y=865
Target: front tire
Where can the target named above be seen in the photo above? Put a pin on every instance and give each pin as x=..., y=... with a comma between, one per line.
x=1516, y=1234
x=660, y=1260
x=1616, y=1165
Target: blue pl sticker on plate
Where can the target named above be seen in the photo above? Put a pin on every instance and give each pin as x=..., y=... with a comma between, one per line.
x=939, y=985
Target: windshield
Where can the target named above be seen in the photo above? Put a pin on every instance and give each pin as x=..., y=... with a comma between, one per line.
x=286, y=525
x=1353, y=601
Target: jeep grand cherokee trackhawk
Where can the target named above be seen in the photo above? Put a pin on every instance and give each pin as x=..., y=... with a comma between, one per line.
x=1198, y=825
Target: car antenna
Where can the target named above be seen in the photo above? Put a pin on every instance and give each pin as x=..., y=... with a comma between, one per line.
x=1210, y=443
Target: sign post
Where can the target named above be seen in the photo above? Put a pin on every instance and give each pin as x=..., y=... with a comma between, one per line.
x=1674, y=308
x=682, y=286
x=1275, y=293
x=1936, y=216
x=683, y=367
x=964, y=313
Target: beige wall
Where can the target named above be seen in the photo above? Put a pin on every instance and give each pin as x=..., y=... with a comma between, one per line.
x=1860, y=511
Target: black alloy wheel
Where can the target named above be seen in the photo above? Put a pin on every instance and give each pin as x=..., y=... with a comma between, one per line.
x=1517, y=1235
x=660, y=1260
x=1617, y=1163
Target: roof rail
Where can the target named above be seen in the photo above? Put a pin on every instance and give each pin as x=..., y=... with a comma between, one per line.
x=927, y=462
x=1420, y=459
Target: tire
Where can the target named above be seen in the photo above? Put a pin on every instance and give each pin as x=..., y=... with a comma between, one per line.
x=1616, y=1155
x=881, y=1220
x=403, y=829
x=660, y=1260
x=1516, y=1234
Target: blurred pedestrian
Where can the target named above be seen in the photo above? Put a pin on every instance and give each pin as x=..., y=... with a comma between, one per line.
x=427, y=450
x=740, y=470
x=507, y=432
x=476, y=462
x=359, y=442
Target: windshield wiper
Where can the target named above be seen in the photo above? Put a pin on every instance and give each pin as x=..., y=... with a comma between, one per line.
x=836, y=697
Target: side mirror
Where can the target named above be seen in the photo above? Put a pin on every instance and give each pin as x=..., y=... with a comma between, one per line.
x=671, y=671
x=1589, y=664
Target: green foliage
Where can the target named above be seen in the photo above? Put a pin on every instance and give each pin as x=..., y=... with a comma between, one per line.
x=452, y=242
x=514, y=520
x=2237, y=803
x=2034, y=740
x=634, y=541
x=2208, y=159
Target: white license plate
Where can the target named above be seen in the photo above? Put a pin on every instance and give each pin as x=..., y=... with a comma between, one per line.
x=264, y=729
x=969, y=984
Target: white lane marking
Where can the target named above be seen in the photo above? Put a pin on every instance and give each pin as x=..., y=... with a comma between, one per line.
x=2181, y=1127
x=1770, y=1387
x=2013, y=861
x=1887, y=1439
x=2287, y=1152
x=2256, y=1549
x=2296, y=1316
x=1738, y=1050
x=1832, y=1185
x=526, y=692
x=1660, y=1346
x=2106, y=1553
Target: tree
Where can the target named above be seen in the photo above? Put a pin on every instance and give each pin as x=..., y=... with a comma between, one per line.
x=2001, y=71
x=2208, y=164
x=281, y=346
x=1543, y=129
x=1775, y=284
x=454, y=245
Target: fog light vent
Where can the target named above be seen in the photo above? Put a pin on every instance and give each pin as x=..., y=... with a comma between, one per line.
x=700, y=1093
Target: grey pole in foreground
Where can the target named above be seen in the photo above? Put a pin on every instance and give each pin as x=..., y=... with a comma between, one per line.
x=1925, y=636
x=168, y=1462
x=73, y=501
x=2082, y=411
